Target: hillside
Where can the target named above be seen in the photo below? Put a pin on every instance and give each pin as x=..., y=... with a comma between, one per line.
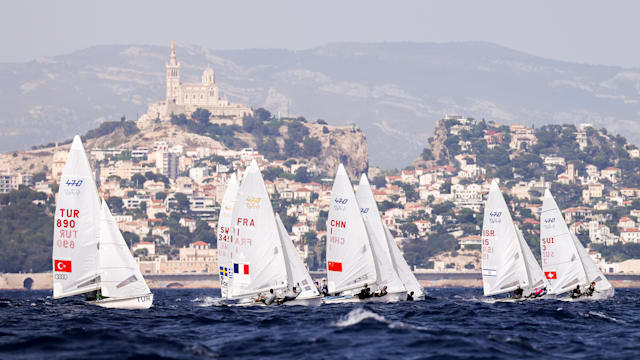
x=321, y=145
x=394, y=92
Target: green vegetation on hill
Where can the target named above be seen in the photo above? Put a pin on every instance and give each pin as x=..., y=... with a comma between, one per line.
x=26, y=226
x=128, y=128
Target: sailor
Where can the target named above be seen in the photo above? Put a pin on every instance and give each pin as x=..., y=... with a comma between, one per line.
x=381, y=293
x=325, y=288
x=538, y=292
x=267, y=299
x=576, y=293
x=517, y=293
x=591, y=289
x=292, y=295
x=410, y=296
x=365, y=293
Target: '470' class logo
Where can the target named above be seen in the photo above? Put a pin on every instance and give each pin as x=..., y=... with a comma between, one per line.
x=495, y=213
x=72, y=182
x=342, y=201
x=253, y=202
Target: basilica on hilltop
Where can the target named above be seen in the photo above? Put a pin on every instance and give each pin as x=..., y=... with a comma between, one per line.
x=185, y=98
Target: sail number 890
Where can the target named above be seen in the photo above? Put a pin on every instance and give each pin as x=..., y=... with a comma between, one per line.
x=66, y=223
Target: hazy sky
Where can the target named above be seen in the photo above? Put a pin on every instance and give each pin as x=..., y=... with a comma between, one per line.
x=596, y=32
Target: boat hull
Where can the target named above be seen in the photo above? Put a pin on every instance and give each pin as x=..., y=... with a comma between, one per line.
x=389, y=298
x=314, y=301
x=130, y=303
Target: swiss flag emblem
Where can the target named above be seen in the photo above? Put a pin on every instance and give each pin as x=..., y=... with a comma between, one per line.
x=334, y=266
x=62, y=265
x=550, y=275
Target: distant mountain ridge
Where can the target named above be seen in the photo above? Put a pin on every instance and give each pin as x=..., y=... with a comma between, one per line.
x=395, y=92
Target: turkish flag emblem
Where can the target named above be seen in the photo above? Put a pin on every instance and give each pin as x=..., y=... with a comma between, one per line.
x=550, y=275
x=335, y=266
x=62, y=265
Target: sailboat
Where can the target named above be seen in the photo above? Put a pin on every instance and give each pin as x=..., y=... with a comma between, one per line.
x=225, y=234
x=565, y=262
x=257, y=255
x=391, y=265
x=89, y=252
x=297, y=274
x=351, y=261
x=507, y=260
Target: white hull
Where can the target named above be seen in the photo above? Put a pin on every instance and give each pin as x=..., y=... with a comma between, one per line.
x=315, y=301
x=130, y=303
x=389, y=298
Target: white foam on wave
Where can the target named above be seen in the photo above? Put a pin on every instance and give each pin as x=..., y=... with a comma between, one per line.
x=358, y=315
x=602, y=316
x=208, y=301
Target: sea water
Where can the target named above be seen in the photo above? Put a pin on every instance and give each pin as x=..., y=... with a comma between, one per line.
x=449, y=324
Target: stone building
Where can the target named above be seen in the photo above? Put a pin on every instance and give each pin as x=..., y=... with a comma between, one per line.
x=185, y=98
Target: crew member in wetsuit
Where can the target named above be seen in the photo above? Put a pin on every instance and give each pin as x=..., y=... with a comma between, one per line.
x=517, y=293
x=381, y=293
x=365, y=293
x=290, y=296
x=591, y=289
x=325, y=288
x=539, y=292
x=268, y=299
x=410, y=296
x=576, y=293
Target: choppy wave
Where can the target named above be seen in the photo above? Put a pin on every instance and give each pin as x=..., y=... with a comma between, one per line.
x=189, y=324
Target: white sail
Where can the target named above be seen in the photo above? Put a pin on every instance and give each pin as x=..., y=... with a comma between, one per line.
x=297, y=273
x=350, y=262
x=503, y=266
x=535, y=275
x=76, y=226
x=404, y=271
x=592, y=270
x=387, y=275
x=225, y=234
x=120, y=276
x=560, y=259
x=258, y=259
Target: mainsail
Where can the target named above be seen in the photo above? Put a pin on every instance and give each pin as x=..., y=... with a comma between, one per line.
x=76, y=227
x=503, y=265
x=120, y=276
x=297, y=274
x=560, y=260
x=225, y=235
x=387, y=275
x=258, y=259
x=565, y=262
x=350, y=262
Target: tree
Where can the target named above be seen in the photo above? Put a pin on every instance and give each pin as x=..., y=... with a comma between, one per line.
x=161, y=195
x=310, y=238
x=312, y=147
x=302, y=175
x=202, y=116
x=115, y=204
x=137, y=180
x=141, y=253
x=409, y=229
x=182, y=202
x=379, y=181
x=262, y=114
x=321, y=122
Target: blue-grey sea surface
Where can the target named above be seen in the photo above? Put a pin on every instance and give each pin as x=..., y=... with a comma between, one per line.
x=449, y=324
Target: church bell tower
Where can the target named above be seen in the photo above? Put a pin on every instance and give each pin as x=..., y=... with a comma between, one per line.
x=173, y=78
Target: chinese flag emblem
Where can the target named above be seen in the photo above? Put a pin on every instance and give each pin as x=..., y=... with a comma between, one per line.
x=335, y=266
x=550, y=275
x=62, y=265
